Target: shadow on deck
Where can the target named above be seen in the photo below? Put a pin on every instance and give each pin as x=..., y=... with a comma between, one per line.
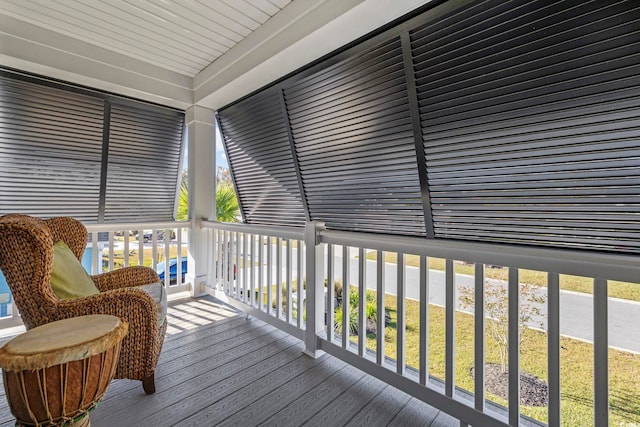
x=218, y=367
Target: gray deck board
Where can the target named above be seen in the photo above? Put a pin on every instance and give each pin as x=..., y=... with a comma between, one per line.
x=220, y=368
x=415, y=413
x=181, y=384
x=222, y=398
x=173, y=372
x=345, y=406
x=300, y=381
x=445, y=420
x=313, y=401
x=382, y=409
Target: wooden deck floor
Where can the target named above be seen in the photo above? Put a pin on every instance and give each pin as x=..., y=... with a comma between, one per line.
x=218, y=367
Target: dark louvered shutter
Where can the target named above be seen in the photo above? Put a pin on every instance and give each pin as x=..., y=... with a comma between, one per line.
x=530, y=115
x=50, y=150
x=143, y=166
x=353, y=136
x=259, y=154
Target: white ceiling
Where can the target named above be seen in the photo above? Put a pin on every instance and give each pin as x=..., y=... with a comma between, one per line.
x=182, y=36
x=181, y=52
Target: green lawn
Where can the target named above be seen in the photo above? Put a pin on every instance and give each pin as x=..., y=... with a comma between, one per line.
x=118, y=255
x=623, y=290
x=576, y=365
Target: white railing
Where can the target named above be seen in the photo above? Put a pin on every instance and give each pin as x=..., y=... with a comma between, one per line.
x=259, y=268
x=153, y=244
x=245, y=257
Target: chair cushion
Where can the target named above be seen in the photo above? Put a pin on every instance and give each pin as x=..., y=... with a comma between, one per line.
x=68, y=278
x=159, y=295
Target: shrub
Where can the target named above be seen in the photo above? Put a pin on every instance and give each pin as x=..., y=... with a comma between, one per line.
x=354, y=299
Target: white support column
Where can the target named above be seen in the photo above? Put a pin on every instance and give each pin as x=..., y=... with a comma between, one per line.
x=202, y=189
x=315, y=287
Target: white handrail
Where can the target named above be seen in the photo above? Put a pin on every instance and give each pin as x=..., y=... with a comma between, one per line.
x=600, y=265
x=137, y=226
x=295, y=233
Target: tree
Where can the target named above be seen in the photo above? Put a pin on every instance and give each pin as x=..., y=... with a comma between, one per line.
x=223, y=175
x=227, y=208
x=496, y=308
x=183, y=200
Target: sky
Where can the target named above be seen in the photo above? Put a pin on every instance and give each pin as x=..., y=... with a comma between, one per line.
x=221, y=158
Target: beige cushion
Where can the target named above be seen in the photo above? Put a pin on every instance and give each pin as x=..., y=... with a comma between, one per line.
x=68, y=278
x=159, y=295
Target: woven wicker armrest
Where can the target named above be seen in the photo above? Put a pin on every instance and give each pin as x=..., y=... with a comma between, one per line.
x=142, y=345
x=133, y=305
x=125, y=278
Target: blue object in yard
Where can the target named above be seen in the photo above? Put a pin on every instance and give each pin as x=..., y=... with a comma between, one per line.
x=173, y=269
x=87, y=259
x=5, y=296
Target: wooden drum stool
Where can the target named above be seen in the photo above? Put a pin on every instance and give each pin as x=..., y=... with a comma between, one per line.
x=56, y=373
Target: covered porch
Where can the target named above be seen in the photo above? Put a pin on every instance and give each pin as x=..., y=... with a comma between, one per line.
x=429, y=192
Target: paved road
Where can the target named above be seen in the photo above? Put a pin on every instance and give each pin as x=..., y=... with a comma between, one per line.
x=576, y=310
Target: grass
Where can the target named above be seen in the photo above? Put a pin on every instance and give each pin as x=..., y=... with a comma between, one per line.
x=622, y=290
x=576, y=364
x=118, y=256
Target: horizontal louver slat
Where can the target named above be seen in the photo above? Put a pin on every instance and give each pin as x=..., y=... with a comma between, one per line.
x=260, y=158
x=50, y=151
x=529, y=117
x=143, y=163
x=354, y=143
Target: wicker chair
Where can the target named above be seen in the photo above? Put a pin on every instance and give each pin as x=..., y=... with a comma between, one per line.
x=26, y=254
